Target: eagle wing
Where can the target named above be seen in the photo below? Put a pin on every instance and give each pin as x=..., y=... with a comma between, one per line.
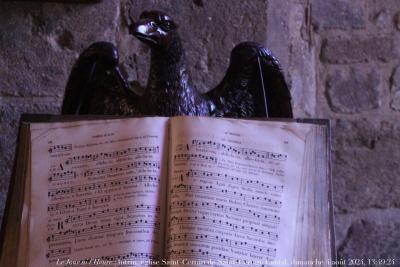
x=254, y=86
x=96, y=84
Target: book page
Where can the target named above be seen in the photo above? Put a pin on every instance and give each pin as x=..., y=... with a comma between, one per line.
x=97, y=190
x=233, y=191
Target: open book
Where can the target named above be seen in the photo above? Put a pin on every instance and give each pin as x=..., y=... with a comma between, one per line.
x=181, y=191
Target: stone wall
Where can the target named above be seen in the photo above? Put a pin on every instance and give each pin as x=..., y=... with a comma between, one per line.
x=357, y=48
x=341, y=60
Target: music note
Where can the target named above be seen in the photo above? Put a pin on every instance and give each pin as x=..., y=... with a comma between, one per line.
x=59, y=252
x=275, y=219
x=195, y=254
x=57, y=176
x=113, y=154
x=105, y=213
x=62, y=191
x=122, y=167
x=209, y=189
x=60, y=148
x=221, y=224
x=60, y=206
x=132, y=255
x=104, y=228
x=247, y=153
x=218, y=240
x=197, y=157
x=235, y=180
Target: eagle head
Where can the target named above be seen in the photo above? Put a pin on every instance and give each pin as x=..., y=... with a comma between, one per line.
x=154, y=28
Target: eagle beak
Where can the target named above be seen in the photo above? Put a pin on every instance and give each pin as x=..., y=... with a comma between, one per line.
x=144, y=30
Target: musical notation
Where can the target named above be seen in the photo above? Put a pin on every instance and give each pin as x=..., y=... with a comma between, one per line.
x=248, y=153
x=114, y=154
x=104, y=228
x=59, y=252
x=65, y=175
x=78, y=203
x=224, y=209
x=60, y=148
x=214, y=239
x=122, y=167
x=197, y=157
x=131, y=256
x=232, y=179
x=102, y=185
x=135, y=209
x=221, y=224
x=209, y=189
x=196, y=254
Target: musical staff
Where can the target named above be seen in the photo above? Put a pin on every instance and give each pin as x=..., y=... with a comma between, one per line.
x=214, y=239
x=78, y=203
x=209, y=189
x=122, y=167
x=248, y=153
x=65, y=175
x=104, y=228
x=196, y=157
x=59, y=252
x=102, y=185
x=132, y=256
x=210, y=202
x=224, y=209
x=134, y=209
x=113, y=154
x=60, y=148
x=196, y=254
x=221, y=224
x=232, y=179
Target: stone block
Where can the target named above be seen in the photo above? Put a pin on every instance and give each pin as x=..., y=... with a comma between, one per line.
x=301, y=70
x=40, y=42
x=340, y=14
x=397, y=21
x=382, y=15
x=368, y=240
x=365, y=164
x=11, y=109
x=395, y=89
x=354, y=89
x=395, y=102
x=339, y=50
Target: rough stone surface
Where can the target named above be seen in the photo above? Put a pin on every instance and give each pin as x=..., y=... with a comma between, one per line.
x=365, y=176
x=40, y=42
x=395, y=102
x=357, y=86
x=395, y=89
x=302, y=75
x=382, y=15
x=397, y=21
x=354, y=90
x=340, y=14
x=380, y=236
x=367, y=239
x=359, y=49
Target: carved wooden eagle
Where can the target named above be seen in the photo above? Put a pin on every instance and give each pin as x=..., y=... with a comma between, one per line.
x=254, y=85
